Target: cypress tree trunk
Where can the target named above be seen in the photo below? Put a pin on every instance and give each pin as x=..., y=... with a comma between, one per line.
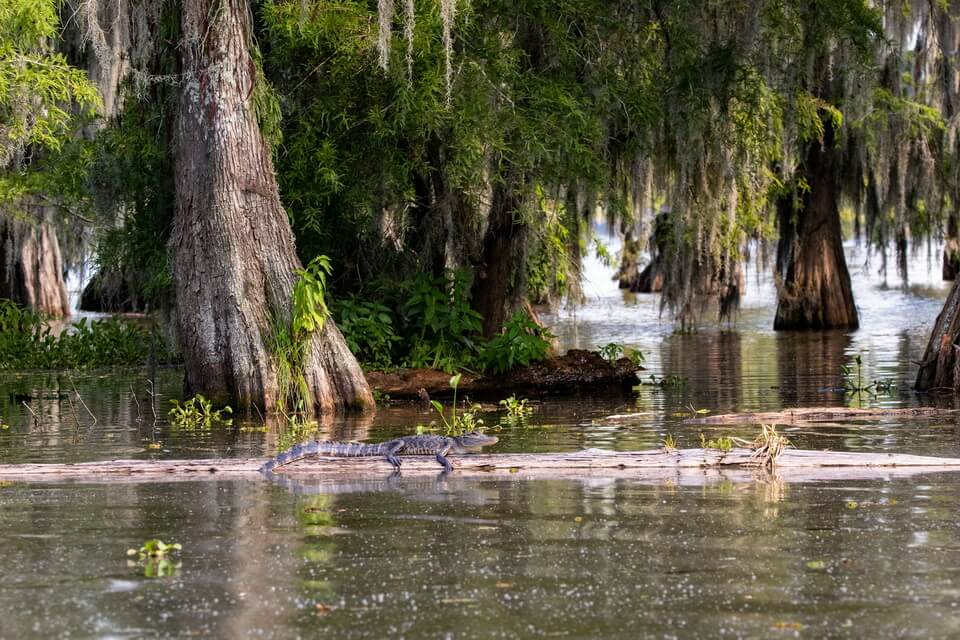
x=31, y=267
x=814, y=290
x=940, y=366
x=499, y=277
x=232, y=246
x=951, y=249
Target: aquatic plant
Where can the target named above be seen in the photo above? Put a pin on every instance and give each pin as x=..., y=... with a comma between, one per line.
x=27, y=342
x=455, y=425
x=854, y=383
x=198, y=412
x=670, y=443
x=518, y=411
x=672, y=381
x=154, y=556
x=722, y=443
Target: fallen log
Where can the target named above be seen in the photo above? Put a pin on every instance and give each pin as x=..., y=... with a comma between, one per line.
x=576, y=371
x=812, y=415
x=588, y=462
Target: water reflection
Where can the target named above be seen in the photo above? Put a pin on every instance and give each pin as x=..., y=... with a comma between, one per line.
x=487, y=559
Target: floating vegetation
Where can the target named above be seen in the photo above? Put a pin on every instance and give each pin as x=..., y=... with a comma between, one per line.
x=198, y=412
x=155, y=558
x=518, y=411
x=672, y=381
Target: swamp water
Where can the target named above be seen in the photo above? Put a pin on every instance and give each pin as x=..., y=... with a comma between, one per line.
x=732, y=555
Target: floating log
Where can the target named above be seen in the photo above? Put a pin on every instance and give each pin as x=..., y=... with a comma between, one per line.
x=589, y=462
x=812, y=415
x=574, y=372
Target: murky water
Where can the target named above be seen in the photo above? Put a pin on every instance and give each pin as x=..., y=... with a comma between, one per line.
x=728, y=556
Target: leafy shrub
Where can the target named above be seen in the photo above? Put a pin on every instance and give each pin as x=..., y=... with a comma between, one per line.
x=521, y=342
x=368, y=329
x=440, y=326
x=27, y=342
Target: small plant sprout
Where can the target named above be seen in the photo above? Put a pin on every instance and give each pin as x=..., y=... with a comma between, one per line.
x=611, y=351
x=854, y=382
x=669, y=443
x=198, y=412
x=518, y=411
x=454, y=425
x=722, y=443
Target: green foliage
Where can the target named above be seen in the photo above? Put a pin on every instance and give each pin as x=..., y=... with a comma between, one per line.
x=611, y=351
x=38, y=89
x=309, y=298
x=672, y=381
x=521, y=343
x=368, y=329
x=155, y=557
x=27, y=342
x=290, y=340
x=198, y=412
x=518, y=411
x=442, y=328
x=453, y=424
x=130, y=174
x=670, y=443
x=724, y=444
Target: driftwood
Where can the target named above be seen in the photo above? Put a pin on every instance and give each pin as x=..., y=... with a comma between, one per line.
x=812, y=415
x=576, y=371
x=580, y=464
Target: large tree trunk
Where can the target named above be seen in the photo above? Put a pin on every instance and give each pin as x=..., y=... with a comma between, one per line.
x=951, y=249
x=814, y=289
x=233, y=250
x=499, y=277
x=31, y=267
x=940, y=367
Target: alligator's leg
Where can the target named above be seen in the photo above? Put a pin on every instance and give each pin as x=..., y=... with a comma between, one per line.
x=392, y=455
x=441, y=458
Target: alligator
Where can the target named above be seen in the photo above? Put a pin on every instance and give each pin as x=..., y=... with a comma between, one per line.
x=420, y=445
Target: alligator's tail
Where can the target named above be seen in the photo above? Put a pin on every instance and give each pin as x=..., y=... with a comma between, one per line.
x=314, y=448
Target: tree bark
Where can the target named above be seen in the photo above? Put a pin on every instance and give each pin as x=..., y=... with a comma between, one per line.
x=814, y=290
x=233, y=249
x=499, y=277
x=940, y=366
x=31, y=267
x=951, y=249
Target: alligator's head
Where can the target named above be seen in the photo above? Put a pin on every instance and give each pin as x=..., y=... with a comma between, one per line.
x=475, y=440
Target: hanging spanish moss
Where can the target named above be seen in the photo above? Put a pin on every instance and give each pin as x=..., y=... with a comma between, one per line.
x=385, y=34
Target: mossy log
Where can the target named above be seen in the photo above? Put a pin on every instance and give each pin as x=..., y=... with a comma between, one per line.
x=589, y=462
